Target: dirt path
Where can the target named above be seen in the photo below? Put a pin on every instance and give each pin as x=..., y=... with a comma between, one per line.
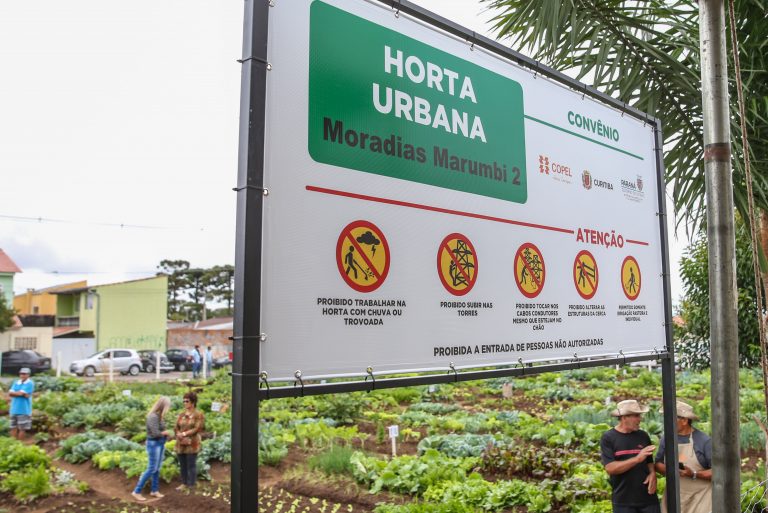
x=111, y=491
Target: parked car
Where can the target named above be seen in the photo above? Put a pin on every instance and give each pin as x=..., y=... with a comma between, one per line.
x=149, y=360
x=15, y=360
x=124, y=361
x=221, y=361
x=180, y=358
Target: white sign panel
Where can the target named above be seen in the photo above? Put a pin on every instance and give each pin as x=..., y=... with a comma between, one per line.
x=433, y=204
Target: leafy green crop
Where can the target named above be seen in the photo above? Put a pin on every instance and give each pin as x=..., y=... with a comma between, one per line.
x=134, y=463
x=14, y=456
x=427, y=507
x=27, y=484
x=434, y=408
x=488, y=496
x=52, y=383
x=66, y=446
x=458, y=446
x=90, y=415
x=219, y=448
x=409, y=474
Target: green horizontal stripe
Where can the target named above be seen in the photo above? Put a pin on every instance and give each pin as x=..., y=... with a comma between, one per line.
x=584, y=137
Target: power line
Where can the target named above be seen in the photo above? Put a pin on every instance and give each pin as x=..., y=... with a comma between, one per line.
x=55, y=271
x=25, y=219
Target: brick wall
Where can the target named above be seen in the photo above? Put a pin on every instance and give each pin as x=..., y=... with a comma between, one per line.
x=187, y=338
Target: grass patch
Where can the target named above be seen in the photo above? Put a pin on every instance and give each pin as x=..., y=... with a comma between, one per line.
x=333, y=461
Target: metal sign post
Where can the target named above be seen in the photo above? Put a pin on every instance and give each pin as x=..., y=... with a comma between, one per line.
x=250, y=194
x=669, y=391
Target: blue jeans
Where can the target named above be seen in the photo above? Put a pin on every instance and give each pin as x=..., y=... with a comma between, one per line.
x=155, y=452
x=196, y=367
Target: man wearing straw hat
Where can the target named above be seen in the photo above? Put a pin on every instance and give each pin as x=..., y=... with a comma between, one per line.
x=694, y=452
x=626, y=454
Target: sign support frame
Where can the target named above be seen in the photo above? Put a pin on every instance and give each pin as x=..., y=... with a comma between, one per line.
x=248, y=251
x=246, y=392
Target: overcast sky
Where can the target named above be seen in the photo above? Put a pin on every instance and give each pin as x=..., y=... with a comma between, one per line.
x=118, y=134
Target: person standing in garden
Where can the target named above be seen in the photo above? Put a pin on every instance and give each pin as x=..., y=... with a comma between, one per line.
x=20, y=395
x=626, y=454
x=156, y=438
x=694, y=453
x=196, y=362
x=189, y=427
x=209, y=360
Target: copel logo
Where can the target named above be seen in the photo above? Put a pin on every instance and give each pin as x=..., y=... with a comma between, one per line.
x=543, y=164
x=559, y=172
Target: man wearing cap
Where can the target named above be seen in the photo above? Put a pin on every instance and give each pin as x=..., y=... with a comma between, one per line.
x=694, y=452
x=20, y=395
x=626, y=454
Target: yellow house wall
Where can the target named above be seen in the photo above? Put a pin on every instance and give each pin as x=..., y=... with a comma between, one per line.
x=88, y=315
x=23, y=303
x=44, y=301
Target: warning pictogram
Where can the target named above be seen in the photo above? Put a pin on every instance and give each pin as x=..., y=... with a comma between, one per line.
x=362, y=254
x=457, y=264
x=630, y=278
x=585, y=274
x=530, y=270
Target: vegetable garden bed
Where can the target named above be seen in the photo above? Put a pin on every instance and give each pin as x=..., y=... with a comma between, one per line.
x=461, y=447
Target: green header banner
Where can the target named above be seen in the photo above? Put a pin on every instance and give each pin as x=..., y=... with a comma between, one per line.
x=384, y=103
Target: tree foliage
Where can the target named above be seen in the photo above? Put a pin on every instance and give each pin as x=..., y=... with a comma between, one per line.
x=178, y=282
x=646, y=53
x=693, y=345
x=6, y=314
x=191, y=291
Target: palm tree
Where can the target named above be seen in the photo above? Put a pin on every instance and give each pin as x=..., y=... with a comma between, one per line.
x=646, y=53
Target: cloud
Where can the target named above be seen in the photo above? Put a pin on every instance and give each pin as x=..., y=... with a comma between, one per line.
x=368, y=238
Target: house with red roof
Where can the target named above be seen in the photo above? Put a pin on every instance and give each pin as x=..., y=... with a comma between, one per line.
x=8, y=269
x=19, y=336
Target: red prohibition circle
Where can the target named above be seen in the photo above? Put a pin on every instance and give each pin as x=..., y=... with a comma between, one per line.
x=444, y=247
x=639, y=280
x=519, y=255
x=576, y=276
x=346, y=233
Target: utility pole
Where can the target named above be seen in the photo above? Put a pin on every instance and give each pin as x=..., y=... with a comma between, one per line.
x=724, y=336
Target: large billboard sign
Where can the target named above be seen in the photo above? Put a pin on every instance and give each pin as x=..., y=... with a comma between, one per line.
x=432, y=205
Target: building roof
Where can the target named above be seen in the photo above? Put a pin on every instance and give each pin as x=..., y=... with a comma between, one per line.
x=78, y=290
x=7, y=265
x=216, y=323
x=54, y=288
x=160, y=275
x=64, y=330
